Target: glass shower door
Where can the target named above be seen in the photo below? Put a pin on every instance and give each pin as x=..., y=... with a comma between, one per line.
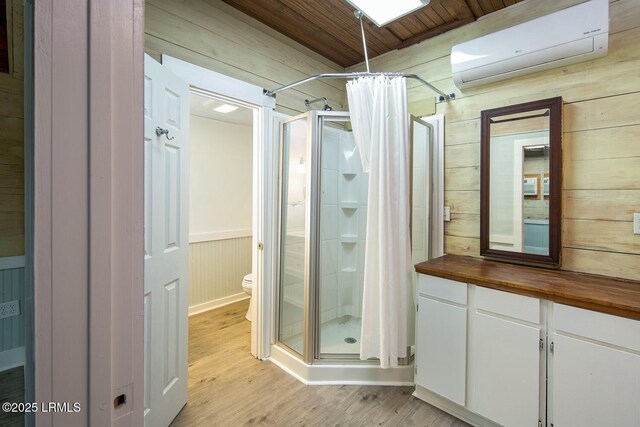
x=294, y=223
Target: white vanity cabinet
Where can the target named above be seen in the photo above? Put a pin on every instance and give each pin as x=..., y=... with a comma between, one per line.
x=495, y=358
x=504, y=357
x=501, y=358
x=442, y=337
x=595, y=368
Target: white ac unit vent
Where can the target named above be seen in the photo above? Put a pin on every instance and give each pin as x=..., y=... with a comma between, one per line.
x=530, y=187
x=578, y=33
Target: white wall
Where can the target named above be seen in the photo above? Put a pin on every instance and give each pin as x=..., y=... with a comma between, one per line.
x=220, y=186
x=220, y=212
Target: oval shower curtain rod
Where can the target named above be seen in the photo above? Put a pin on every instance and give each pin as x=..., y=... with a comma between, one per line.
x=443, y=96
x=368, y=73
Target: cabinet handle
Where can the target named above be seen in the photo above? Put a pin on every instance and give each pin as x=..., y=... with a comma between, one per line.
x=541, y=345
x=551, y=350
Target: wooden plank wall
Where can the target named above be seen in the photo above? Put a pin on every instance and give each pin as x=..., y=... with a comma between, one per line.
x=12, y=139
x=601, y=147
x=211, y=34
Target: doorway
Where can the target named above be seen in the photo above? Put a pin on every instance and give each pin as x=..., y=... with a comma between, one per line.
x=213, y=122
x=220, y=201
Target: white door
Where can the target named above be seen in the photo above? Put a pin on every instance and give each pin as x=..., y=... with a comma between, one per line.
x=166, y=108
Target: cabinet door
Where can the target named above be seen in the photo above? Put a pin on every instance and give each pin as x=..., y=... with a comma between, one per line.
x=441, y=351
x=505, y=371
x=594, y=385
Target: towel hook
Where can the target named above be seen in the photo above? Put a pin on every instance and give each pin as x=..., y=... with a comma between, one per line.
x=160, y=132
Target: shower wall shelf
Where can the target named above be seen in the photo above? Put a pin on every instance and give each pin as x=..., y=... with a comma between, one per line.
x=349, y=205
x=349, y=238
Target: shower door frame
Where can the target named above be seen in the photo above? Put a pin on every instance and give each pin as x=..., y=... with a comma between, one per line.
x=309, y=325
x=311, y=317
x=311, y=320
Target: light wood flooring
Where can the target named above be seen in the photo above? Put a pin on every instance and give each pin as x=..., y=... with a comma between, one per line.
x=228, y=387
x=12, y=390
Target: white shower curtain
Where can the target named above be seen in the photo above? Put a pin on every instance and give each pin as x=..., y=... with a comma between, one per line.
x=380, y=121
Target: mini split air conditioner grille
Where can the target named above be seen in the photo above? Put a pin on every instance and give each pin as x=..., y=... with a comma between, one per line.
x=529, y=62
x=572, y=35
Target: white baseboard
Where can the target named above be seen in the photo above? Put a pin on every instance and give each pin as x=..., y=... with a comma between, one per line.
x=11, y=358
x=216, y=303
x=340, y=374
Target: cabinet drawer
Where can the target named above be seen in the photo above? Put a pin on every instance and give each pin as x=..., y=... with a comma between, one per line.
x=607, y=328
x=444, y=289
x=508, y=304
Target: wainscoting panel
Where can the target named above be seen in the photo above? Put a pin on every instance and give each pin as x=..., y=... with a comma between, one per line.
x=216, y=269
x=12, y=328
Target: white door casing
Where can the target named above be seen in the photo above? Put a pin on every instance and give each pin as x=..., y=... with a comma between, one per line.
x=436, y=156
x=166, y=250
x=265, y=155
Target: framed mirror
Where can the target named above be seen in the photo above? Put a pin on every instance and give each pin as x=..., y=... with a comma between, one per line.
x=521, y=182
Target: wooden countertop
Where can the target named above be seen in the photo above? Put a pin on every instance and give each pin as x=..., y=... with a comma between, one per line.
x=607, y=295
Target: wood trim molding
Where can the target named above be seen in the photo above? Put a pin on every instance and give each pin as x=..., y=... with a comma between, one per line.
x=60, y=258
x=218, y=235
x=116, y=346
x=88, y=210
x=8, y=263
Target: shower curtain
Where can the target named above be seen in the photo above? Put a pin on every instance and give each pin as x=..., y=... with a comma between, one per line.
x=380, y=121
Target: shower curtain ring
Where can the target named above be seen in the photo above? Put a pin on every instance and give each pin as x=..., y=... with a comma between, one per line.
x=165, y=132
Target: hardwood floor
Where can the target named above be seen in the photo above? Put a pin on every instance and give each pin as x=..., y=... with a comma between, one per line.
x=228, y=387
x=12, y=390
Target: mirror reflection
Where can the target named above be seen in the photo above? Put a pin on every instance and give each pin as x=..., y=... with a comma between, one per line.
x=519, y=182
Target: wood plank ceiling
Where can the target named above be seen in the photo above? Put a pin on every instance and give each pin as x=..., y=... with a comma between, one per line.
x=330, y=28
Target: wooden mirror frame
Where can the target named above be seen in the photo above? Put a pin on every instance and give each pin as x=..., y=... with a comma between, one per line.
x=555, y=190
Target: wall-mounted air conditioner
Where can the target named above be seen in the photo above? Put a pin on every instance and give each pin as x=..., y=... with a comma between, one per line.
x=530, y=187
x=578, y=33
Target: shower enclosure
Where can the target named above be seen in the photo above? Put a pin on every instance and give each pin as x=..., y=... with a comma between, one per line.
x=323, y=213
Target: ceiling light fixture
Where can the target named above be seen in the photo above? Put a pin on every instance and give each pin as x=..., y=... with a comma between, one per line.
x=225, y=108
x=381, y=12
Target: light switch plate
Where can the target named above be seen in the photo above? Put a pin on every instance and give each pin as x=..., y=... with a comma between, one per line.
x=636, y=223
x=447, y=213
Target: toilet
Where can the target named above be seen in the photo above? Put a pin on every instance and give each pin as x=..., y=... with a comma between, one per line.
x=247, y=285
